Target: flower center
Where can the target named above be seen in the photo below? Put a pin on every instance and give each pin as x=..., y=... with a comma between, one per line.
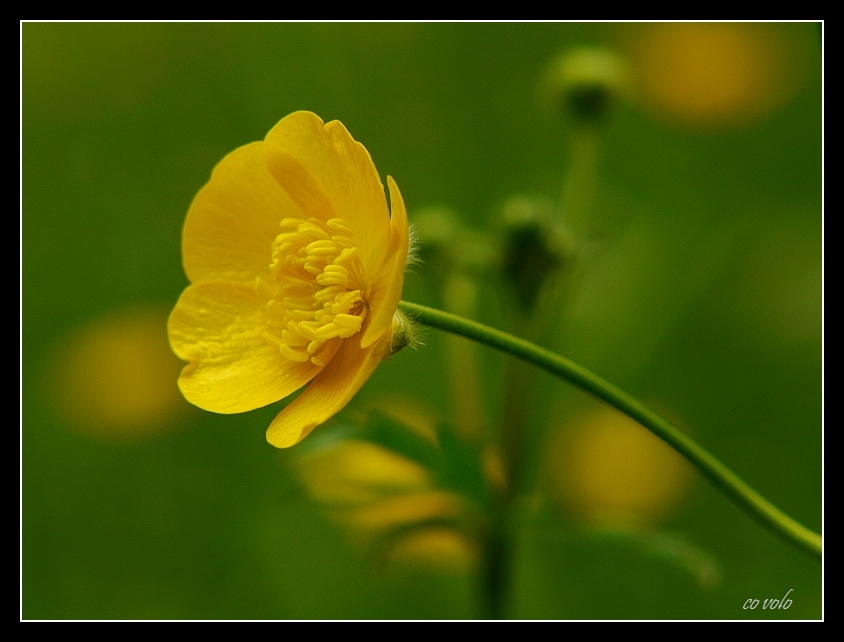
x=321, y=295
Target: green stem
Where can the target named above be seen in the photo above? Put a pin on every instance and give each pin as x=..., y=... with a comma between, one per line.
x=722, y=477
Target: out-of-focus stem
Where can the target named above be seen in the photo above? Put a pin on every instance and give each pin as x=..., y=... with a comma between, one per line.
x=545, y=323
x=460, y=297
x=581, y=180
x=522, y=416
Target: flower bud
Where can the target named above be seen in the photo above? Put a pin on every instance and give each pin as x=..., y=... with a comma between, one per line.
x=535, y=246
x=405, y=333
x=585, y=84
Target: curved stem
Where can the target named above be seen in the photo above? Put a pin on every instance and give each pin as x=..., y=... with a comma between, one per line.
x=722, y=477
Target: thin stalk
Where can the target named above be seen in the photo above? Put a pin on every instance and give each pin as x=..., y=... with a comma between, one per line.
x=460, y=297
x=581, y=180
x=720, y=475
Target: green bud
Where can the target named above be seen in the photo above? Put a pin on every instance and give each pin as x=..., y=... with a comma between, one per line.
x=584, y=85
x=405, y=332
x=535, y=246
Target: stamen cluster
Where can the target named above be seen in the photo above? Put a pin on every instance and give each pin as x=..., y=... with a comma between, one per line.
x=320, y=293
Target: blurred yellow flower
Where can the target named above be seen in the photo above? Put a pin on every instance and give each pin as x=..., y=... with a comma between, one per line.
x=609, y=470
x=389, y=504
x=720, y=74
x=112, y=377
x=353, y=472
x=296, y=270
x=434, y=547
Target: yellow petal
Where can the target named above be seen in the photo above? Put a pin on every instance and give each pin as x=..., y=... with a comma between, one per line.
x=328, y=393
x=388, y=283
x=233, y=220
x=330, y=175
x=434, y=547
x=406, y=509
x=352, y=471
x=219, y=327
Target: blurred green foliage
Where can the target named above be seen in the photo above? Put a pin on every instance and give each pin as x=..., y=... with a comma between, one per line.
x=701, y=294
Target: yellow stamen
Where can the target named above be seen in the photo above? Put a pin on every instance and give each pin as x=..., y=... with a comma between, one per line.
x=348, y=322
x=339, y=225
x=293, y=355
x=326, y=332
x=318, y=298
x=313, y=231
x=293, y=338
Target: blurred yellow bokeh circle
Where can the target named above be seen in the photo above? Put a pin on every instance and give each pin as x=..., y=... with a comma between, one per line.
x=606, y=468
x=115, y=375
x=719, y=74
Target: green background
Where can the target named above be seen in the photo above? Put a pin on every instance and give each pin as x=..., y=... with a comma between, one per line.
x=704, y=295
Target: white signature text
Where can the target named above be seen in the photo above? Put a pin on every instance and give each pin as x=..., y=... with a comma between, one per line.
x=770, y=603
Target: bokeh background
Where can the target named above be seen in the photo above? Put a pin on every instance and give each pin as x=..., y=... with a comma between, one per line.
x=701, y=294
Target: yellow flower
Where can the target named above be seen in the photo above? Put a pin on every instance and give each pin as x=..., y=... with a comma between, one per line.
x=389, y=505
x=296, y=269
